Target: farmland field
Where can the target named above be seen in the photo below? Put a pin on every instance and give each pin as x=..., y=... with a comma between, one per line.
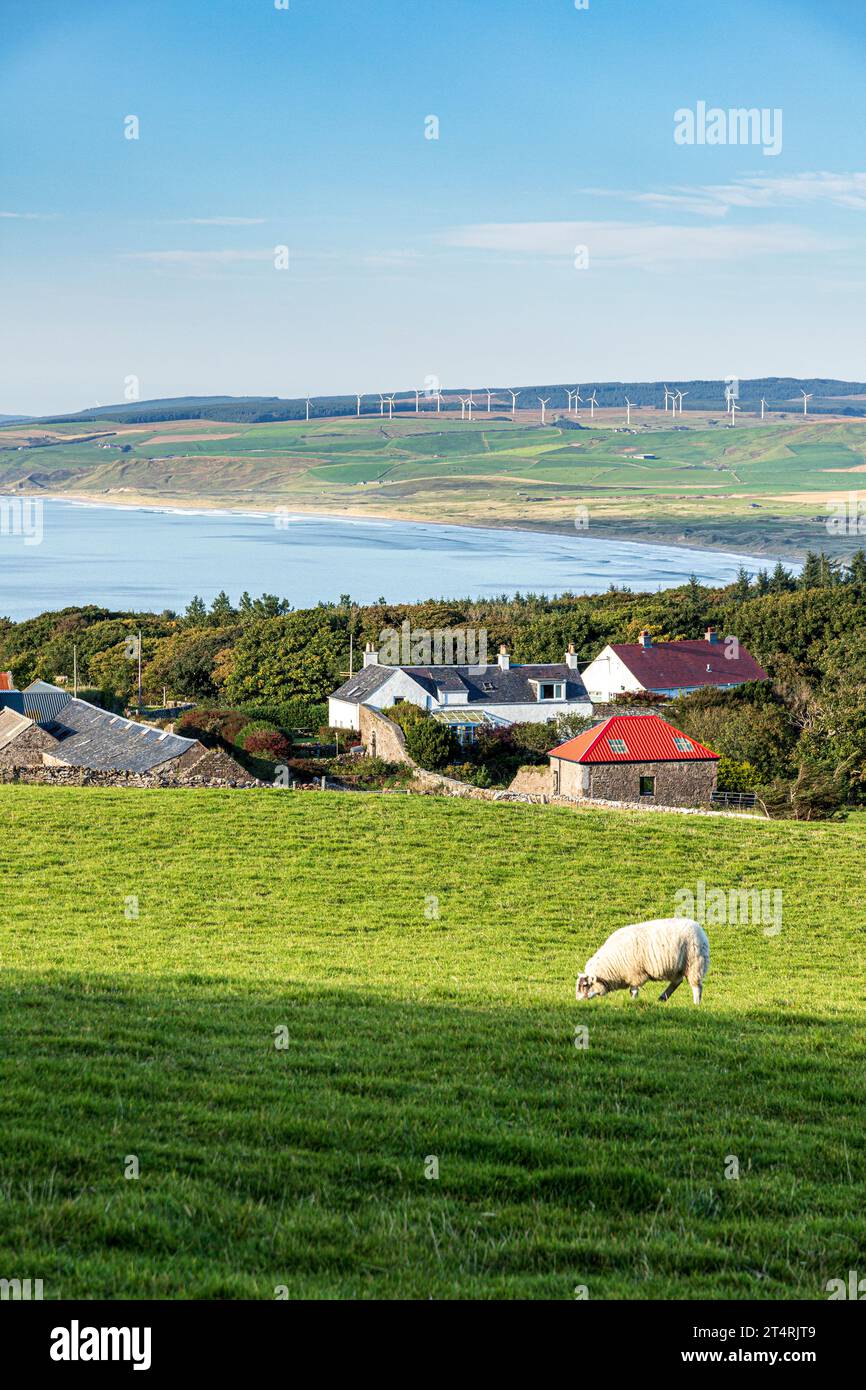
x=756, y=488
x=420, y=955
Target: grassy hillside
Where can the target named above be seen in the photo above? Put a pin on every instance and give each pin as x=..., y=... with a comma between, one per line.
x=412, y=1035
x=760, y=487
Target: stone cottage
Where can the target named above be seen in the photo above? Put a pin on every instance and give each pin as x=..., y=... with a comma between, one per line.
x=637, y=758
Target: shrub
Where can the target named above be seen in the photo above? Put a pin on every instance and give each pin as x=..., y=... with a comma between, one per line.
x=736, y=776
x=270, y=744
x=405, y=714
x=429, y=744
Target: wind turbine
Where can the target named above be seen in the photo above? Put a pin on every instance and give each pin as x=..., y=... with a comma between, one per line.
x=513, y=395
x=470, y=403
x=358, y=399
x=577, y=397
x=681, y=396
x=489, y=398
x=763, y=407
x=463, y=404
x=381, y=404
x=390, y=400
x=570, y=394
x=544, y=403
x=668, y=396
x=806, y=400
x=592, y=406
x=734, y=409
x=308, y=407
x=417, y=408
x=628, y=412
x=438, y=402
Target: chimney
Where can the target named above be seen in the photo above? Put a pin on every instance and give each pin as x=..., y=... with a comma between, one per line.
x=504, y=658
x=645, y=640
x=712, y=635
x=571, y=657
x=371, y=656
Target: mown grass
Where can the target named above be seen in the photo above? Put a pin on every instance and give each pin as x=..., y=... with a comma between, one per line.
x=412, y=1036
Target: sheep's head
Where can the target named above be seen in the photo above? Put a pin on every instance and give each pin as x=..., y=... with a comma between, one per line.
x=589, y=986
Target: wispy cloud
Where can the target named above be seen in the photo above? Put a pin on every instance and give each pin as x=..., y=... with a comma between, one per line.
x=754, y=191
x=639, y=244
x=30, y=216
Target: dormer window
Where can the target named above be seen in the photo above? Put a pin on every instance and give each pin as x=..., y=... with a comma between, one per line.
x=551, y=690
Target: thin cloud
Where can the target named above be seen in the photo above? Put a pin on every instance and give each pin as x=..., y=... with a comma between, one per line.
x=30, y=216
x=847, y=190
x=638, y=244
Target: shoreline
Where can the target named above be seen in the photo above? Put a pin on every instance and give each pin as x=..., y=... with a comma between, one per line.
x=611, y=531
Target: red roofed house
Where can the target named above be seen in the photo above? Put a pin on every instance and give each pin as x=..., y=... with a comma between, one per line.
x=669, y=668
x=634, y=757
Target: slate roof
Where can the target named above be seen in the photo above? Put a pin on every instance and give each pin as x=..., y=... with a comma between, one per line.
x=676, y=665
x=490, y=685
x=94, y=738
x=639, y=738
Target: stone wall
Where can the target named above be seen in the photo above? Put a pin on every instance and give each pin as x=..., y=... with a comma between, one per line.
x=83, y=777
x=381, y=737
x=688, y=783
x=535, y=781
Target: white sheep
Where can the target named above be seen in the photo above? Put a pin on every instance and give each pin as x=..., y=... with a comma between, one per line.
x=672, y=949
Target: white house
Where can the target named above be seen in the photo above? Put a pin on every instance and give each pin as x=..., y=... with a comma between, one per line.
x=669, y=668
x=504, y=692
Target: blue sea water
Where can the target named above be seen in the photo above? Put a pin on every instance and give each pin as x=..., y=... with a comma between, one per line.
x=157, y=558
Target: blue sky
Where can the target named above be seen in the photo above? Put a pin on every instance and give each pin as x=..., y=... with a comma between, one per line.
x=412, y=258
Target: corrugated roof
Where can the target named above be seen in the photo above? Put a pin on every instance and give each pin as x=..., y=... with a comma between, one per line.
x=677, y=665
x=632, y=738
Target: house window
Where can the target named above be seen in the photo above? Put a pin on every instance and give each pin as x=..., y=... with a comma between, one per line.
x=685, y=745
x=647, y=786
x=618, y=745
x=550, y=690
x=556, y=779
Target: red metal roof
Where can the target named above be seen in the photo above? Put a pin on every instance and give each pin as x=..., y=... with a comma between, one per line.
x=646, y=737
x=676, y=665
x=6, y=680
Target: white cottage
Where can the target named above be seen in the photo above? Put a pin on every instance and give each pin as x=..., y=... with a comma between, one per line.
x=505, y=692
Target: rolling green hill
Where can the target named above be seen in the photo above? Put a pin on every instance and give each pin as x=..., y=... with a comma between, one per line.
x=757, y=488
x=420, y=955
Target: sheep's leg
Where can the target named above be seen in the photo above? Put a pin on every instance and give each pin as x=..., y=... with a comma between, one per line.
x=634, y=991
x=674, y=984
x=697, y=991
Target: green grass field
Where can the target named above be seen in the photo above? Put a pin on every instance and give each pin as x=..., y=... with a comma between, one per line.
x=412, y=1036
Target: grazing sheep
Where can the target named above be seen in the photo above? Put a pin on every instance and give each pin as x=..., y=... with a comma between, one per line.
x=672, y=949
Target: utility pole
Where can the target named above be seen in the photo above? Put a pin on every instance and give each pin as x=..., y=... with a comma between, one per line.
x=139, y=670
x=75, y=670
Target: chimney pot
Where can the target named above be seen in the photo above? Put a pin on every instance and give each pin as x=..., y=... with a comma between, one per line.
x=571, y=657
x=712, y=635
x=371, y=656
x=504, y=658
x=646, y=640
